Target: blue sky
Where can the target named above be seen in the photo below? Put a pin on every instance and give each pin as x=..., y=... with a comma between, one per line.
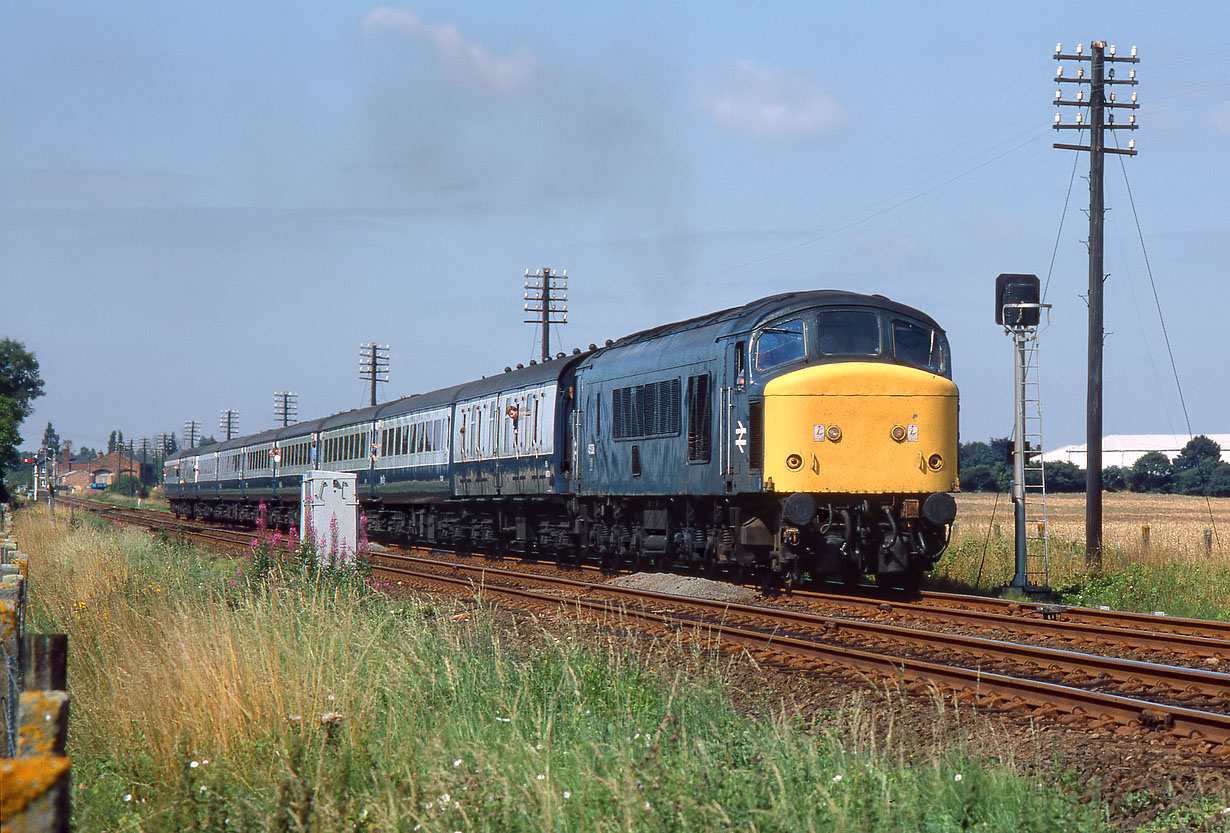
x=202, y=204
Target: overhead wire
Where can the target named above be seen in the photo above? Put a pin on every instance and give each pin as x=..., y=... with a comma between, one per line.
x=1166, y=337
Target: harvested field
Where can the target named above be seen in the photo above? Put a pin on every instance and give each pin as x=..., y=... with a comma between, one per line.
x=1177, y=523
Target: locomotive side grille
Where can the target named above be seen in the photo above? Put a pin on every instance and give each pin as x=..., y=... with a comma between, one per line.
x=648, y=410
x=755, y=439
x=700, y=418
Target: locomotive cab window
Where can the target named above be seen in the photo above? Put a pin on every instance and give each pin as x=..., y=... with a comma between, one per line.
x=920, y=346
x=780, y=344
x=847, y=332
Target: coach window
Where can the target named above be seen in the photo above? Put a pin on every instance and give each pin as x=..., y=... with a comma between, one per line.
x=848, y=332
x=780, y=344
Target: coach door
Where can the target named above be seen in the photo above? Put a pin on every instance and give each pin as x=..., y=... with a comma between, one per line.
x=732, y=417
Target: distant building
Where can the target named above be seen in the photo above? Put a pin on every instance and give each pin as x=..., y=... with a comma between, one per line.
x=1126, y=449
x=80, y=474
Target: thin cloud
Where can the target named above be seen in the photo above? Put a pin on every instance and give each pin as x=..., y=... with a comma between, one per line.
x=768, y=103
x=470, y=62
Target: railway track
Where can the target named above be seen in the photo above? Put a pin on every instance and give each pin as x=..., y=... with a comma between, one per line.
x=826, y=631
x=1161, y=692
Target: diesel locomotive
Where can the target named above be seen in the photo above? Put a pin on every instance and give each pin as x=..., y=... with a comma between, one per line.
x=803, y=434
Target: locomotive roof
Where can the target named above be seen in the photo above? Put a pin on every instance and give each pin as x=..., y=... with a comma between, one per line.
x=746, y=317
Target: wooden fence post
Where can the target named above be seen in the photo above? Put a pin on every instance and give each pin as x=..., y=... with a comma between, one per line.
x=42, y=725
x=35, y=776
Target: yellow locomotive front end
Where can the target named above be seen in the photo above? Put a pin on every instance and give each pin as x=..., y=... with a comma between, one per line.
x=860, y=441
x=860, y=428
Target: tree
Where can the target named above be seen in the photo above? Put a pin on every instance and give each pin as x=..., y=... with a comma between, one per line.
x=1151, y=473
x=984, y=466
x=1115, y=478
x=20, y=383
x=979, y=479
x=1064, y=477
x=111, y=443
x=1198, y=449
x=51, y=440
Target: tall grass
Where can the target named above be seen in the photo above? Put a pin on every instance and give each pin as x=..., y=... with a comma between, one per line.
x=206, y=700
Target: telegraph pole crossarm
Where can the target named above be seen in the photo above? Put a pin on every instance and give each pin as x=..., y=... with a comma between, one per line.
x=374, y=365
x=546, y=297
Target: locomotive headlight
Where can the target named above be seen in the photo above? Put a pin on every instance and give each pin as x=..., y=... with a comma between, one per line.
x=794, y=462
x=898, y=433
x=935, y=462
x=833, y=433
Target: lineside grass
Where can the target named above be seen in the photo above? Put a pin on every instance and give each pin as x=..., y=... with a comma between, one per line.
x=1173, y=572
x=155, y=502
x=221, y=695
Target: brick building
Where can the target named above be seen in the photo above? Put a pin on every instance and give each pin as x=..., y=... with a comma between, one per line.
x=80, y=474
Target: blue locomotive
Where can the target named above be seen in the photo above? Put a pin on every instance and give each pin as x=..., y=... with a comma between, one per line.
x=808, y=433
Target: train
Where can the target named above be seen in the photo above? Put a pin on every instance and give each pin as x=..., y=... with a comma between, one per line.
x=806, y=435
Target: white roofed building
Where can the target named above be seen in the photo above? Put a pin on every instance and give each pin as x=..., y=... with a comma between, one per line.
x=1125, y=449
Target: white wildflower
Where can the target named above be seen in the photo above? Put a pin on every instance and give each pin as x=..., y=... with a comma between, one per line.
x=128, y=797
x=195, y=764
x=567, y=794
x=957, y=777
x=541, y=777
x=445, y=799
x=836, y=778
x=457, y=762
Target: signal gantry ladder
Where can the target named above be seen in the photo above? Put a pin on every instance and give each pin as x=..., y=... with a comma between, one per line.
x=1033, y=491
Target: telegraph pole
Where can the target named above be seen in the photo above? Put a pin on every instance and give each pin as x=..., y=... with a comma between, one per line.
x=546, y=294
x=192, y=432
x=1099, y=122
x=228, y=423
x=285, y=407
x=374, y=365
x=145, y=447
